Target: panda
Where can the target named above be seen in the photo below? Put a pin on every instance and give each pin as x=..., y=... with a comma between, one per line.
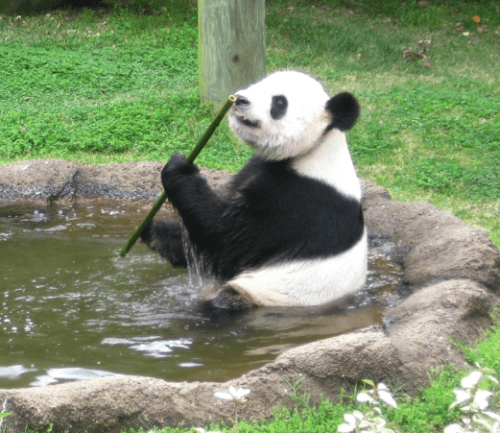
x=289, y=228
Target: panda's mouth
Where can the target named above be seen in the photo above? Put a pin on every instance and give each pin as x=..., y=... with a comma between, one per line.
x=245, y=120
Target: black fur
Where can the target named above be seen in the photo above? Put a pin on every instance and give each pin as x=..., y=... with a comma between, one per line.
x=279, y=106
x=344, y=109
x=271, y=214
x=165, y=237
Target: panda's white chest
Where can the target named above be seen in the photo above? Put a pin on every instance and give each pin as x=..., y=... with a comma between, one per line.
x=331, y=163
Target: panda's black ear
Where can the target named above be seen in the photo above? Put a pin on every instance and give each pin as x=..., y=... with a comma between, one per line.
x=344, y=109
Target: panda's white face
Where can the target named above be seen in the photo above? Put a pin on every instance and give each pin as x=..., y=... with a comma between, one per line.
x=282, y=116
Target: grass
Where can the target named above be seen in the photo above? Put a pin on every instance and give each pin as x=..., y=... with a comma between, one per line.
x=113, y=85
x=117, y=85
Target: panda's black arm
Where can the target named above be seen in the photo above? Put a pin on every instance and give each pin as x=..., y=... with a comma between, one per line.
x=200, y=208
x=165, y=237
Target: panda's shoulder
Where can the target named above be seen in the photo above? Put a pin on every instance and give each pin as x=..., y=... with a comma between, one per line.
x=259, y=171
x=268, y=178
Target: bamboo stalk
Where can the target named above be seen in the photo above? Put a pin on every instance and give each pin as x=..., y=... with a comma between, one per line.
x=190, y=158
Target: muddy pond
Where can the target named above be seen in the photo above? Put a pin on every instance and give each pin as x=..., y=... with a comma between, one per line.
x=71, y=309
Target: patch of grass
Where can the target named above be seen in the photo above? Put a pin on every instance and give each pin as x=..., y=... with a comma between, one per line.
x=432, y=14
x=428, y=411
x=94, y=84
x=318, y=419
x=97, y=84
x=486, y=351
x=111, y=85
x=445, y=140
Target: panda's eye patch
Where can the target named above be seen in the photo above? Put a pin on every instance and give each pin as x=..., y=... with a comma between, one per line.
x=278, y=107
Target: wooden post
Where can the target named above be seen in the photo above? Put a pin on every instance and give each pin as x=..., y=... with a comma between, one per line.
x=231, y=47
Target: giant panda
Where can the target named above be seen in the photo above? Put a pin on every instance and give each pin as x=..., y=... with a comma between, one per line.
x=289, y=229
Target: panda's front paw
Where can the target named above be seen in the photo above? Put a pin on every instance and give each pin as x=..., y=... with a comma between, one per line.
x=176, y=167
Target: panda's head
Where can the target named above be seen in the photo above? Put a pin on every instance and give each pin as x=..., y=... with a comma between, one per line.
x=288, y=113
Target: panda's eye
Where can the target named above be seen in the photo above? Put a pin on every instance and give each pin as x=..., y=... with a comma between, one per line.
x=278, y=107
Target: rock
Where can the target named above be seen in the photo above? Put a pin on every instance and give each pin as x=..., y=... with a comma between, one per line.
x=57, y=179
x=452, y=280
x=422, y=328
x=440, y=246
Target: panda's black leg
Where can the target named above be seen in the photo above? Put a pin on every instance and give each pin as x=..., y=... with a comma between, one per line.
x=165, y=237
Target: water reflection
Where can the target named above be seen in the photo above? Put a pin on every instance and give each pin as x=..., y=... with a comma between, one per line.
x=153, y=346
x=59, y=375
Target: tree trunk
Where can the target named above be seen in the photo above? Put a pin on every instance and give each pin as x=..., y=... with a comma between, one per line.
x=231, y=47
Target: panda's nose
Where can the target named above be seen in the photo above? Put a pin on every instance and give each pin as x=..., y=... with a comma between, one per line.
x=241, y=101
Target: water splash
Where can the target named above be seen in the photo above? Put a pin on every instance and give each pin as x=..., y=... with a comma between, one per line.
x=195, y=262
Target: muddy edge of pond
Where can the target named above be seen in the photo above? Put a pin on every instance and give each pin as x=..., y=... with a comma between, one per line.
x=451, y=282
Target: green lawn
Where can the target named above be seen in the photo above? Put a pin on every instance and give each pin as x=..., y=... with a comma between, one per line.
x=114, y=85
x=117, y=85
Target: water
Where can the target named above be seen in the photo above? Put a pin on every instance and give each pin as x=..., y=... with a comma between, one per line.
x=71, y=309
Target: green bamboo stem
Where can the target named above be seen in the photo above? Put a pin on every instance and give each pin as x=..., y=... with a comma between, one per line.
x=190, y=158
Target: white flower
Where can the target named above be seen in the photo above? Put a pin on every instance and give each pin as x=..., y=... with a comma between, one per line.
x=461, y=396
x=492, y=379
x=380, y=423
x=385, y=395
x=387, y=398
x=346, y=428
x=224, y=396
x=381, y=387
x=493, y=415
x=364, y=397
x=454, y=428
x=202, y=430
x=358, y=415
x=233, y=394
x=349, y=418
x=471, y=380
x=486, y=370
x=350, y=424
x=481, y=399
x=486, y=424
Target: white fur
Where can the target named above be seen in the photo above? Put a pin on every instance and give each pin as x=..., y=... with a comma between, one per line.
x=331, y=163
x=305, y=282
